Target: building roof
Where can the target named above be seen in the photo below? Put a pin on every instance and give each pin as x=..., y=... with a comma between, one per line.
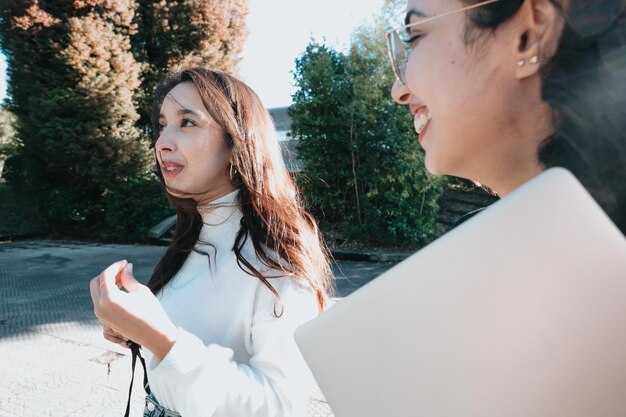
x=288, y=146
x=281, y=118
x=290, y=155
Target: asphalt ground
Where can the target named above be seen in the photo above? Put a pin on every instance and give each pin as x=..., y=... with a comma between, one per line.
x=53, y=358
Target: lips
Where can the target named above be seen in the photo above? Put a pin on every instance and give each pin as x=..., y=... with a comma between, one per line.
x=171, y=168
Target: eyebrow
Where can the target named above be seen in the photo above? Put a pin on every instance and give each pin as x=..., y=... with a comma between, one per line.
x=182, y=112
x=413, y=12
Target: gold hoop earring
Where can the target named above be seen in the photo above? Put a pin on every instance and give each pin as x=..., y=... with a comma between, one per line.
x=231, y=171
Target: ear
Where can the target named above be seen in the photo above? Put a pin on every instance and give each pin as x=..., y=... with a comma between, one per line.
x=538, y=36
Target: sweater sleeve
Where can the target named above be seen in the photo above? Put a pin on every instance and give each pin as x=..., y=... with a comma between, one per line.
x=275, y=382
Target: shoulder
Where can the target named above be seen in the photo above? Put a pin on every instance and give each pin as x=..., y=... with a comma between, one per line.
x=293, y=298
x=466, y=217
x=294, y=302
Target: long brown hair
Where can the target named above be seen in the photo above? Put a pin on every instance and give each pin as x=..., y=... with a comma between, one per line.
x=284, y=235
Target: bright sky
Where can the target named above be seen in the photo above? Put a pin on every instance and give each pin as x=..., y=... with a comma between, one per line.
x=279, y=31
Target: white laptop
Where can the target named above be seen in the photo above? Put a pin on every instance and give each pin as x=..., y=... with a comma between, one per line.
x=518, y=312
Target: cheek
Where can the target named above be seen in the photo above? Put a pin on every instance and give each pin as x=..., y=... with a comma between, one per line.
x=211, y=157
x=416, y=72
x=433, y=70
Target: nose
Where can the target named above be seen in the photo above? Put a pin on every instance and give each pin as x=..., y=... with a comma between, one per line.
x=165, y=142
x=400, y=92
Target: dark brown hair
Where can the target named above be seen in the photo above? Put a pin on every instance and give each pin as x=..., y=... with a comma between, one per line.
x=284, y=235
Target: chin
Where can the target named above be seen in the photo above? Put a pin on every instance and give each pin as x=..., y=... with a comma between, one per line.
x=432, y=167
x=176, y=191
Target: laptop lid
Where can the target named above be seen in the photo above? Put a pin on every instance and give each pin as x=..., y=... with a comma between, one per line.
x=518, y=312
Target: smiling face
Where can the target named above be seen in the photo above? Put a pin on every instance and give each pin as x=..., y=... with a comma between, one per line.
x=468, y=101
x=191, y=149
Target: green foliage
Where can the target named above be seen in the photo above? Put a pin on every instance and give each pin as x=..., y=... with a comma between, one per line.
x=364, y=169
x=135, y=207
x=71, y=82
x=321, y=128
x=19, y=214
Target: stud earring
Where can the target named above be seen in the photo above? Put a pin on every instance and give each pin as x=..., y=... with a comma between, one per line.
x=534, y=60
x=521, y=63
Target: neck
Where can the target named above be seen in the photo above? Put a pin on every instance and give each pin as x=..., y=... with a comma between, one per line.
x=514, y=156
x=215, y=194
x=220, y=215
x=513, y=179
x=227, y=200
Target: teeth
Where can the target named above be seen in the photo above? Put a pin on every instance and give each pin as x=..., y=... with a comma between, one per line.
x=170, y=169
x=421, y=120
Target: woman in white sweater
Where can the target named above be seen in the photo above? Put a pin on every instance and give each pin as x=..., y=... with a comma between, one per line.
x=246, y=266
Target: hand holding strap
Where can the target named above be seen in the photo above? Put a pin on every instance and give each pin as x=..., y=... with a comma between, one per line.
x=136, y=351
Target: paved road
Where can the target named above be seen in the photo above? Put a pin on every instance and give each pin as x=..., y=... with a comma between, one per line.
x=53, y=359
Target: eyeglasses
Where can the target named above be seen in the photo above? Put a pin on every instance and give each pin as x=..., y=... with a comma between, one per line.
x=399, y=52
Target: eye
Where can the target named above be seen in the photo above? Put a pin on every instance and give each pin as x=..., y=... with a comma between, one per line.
x=160, y=127
x=187, y=123
x=413, y=40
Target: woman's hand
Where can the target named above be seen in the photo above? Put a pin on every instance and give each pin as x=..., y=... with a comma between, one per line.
x=113, y=336
x=133, y=314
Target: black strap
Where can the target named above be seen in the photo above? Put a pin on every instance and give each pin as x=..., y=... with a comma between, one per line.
x=136, y=351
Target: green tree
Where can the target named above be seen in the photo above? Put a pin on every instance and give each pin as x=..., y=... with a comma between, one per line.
x=72, y=77
x=363, y=167
x=323, y=81
x=173, y=33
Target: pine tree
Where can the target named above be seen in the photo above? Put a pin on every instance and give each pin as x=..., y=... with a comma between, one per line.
x=72, y=77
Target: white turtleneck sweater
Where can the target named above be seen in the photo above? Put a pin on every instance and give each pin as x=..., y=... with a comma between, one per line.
x=232, y=356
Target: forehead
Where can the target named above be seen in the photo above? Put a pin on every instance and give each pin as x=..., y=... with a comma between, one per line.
x=184, y=95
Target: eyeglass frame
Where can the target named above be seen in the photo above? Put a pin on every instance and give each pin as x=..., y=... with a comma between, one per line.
x=392, y=36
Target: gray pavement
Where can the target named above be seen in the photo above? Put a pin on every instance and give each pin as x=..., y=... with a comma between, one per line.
x=53, y=359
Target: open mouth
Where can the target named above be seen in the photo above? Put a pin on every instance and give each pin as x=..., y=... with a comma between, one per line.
x=170, y=169
x=422, y=117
